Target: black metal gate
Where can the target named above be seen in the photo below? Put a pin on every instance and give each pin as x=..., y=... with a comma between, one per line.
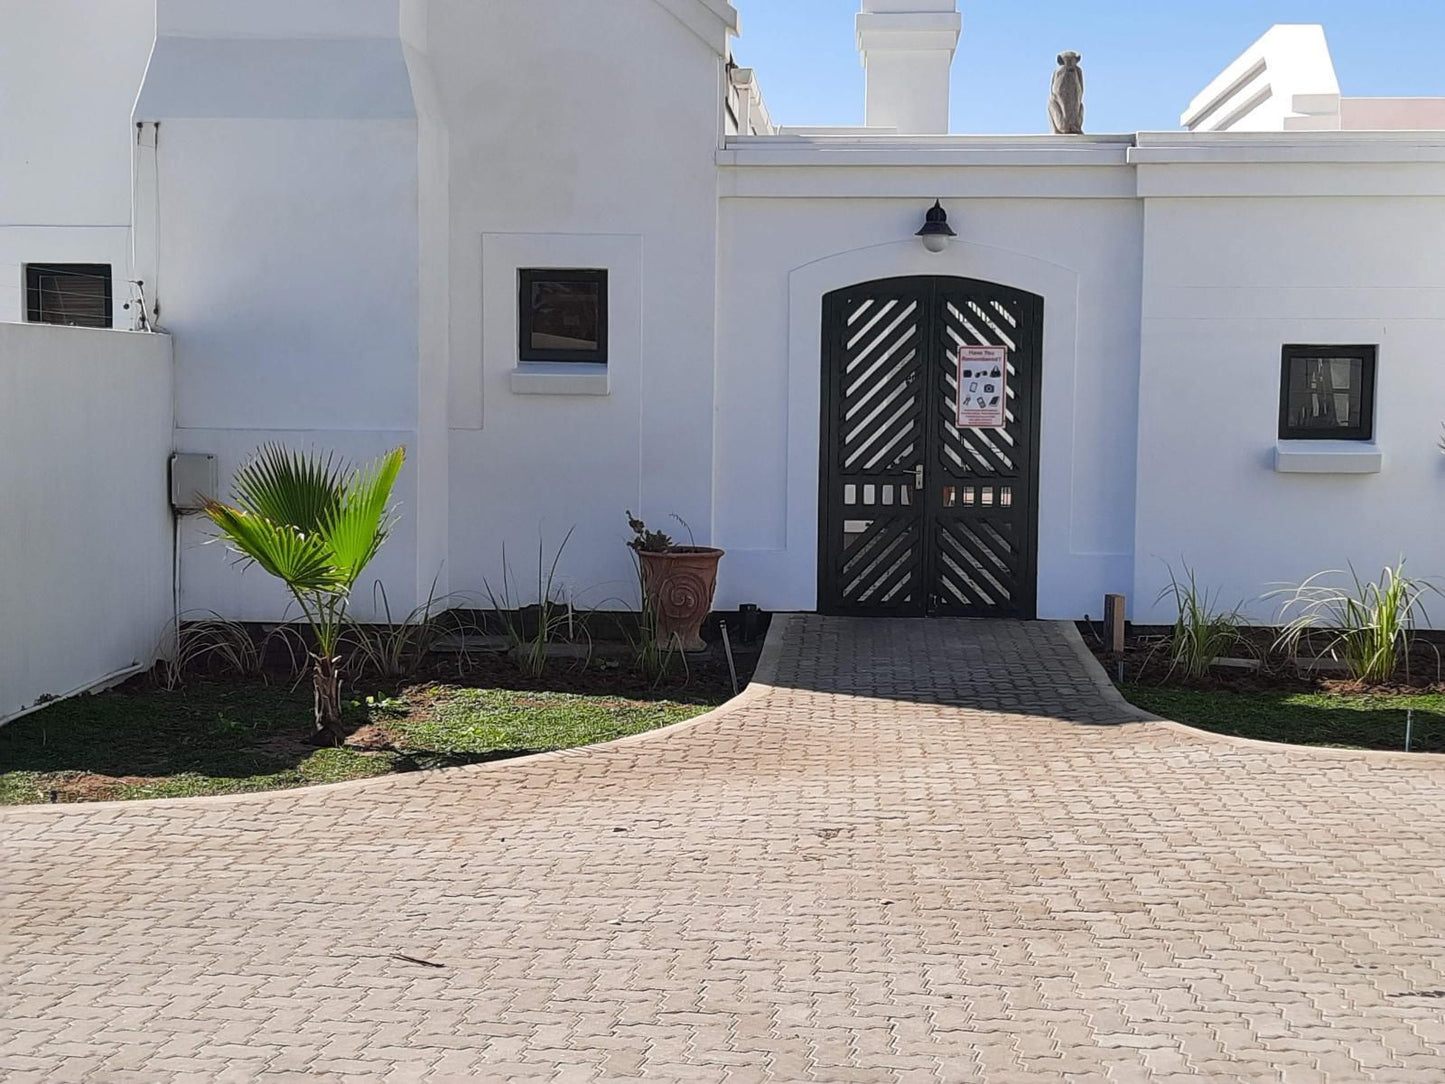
x=923, y=511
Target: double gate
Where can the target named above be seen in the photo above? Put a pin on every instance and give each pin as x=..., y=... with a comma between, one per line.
x=927, y=509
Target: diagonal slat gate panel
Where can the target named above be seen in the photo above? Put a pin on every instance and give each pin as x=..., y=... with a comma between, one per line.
x=920, y=515
x=875, y=432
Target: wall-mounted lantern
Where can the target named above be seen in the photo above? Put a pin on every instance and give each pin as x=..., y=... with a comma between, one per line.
x=936, y=232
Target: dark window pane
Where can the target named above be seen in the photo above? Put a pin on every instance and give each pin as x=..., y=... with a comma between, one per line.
x=565, y=315
x=78, y=295
x=1328, y=393
x=1325, y=393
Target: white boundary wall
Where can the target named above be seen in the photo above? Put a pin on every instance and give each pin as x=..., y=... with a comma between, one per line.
x=85, y=520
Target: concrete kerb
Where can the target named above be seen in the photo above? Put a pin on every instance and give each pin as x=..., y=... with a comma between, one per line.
x=1130, y=713
x=1107, y=689
x=760, y=686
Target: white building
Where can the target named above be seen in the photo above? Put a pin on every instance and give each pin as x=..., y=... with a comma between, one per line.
x=1286, y=82
x=560, y=250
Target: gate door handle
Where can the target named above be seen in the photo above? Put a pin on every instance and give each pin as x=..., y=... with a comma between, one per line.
x=918, y=476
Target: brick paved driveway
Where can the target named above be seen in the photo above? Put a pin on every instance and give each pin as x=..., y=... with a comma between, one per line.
x=916, y=856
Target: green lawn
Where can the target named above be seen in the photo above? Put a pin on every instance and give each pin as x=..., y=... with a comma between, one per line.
x=1358, y=721
x=224, y=738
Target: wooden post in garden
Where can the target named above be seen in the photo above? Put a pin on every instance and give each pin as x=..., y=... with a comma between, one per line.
x=1114, y=622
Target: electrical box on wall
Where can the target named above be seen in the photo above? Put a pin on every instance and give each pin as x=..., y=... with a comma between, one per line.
x=193, y=480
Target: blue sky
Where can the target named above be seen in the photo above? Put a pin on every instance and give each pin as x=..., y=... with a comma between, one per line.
x=1143, y=59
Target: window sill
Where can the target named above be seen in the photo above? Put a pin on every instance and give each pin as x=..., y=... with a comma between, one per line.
x=1328, y=457
x=560, y=378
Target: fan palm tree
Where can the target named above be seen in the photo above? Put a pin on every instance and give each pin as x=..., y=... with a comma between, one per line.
x=314, y=523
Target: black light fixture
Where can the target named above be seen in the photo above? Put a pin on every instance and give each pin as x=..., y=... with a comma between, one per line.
x=936, y=232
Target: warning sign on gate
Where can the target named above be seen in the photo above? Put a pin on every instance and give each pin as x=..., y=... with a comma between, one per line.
x=982, y=387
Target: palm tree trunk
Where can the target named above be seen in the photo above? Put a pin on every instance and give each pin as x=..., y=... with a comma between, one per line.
x=326, y=678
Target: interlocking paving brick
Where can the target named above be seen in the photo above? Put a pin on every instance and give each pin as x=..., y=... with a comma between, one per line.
x=913, y=851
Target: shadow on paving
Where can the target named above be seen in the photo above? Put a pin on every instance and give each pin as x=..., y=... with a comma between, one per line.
x=1014, y=667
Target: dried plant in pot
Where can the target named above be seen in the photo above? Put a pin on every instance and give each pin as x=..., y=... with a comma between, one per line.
x=678, y=583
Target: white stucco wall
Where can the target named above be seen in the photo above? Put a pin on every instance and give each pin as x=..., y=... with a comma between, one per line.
x=286, y=235
x=339, y=301
x=1232, y=274
x=69, y=72
x=792, y=233
x=85, y=533
x=581, y=135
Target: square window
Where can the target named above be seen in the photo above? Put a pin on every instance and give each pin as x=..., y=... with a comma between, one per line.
x=563, y=315
x=1327, y=393
x=73, y=294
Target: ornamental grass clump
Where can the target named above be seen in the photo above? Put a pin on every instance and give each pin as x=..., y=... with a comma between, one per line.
x=396, y=648
x=314, y=523
x=1203, y=632
x=207, y=643
x=555, y=618
x=1369, y=625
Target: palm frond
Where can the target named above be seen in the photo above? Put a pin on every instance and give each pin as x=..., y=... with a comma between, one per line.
x=303, y=561
x=289, y=487
x=358, y=524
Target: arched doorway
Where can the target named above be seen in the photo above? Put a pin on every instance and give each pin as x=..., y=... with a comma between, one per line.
x=930, y=449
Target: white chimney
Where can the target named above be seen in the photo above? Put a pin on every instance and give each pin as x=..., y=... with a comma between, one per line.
x=907, y=48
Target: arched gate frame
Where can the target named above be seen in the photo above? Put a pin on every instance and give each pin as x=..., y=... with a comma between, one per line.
x=920, y=514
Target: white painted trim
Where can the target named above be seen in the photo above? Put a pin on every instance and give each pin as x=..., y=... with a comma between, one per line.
x=876, y=182
x=907, y=31
x=817, y=149
x=497, y=368
x=1327, y=457
x=1290, y=180
x=1248, y=75
x=304, y=79
x=905, y=151
x=559, y=378
x=1318, y=152
x=711, y=20
x=1403, y=137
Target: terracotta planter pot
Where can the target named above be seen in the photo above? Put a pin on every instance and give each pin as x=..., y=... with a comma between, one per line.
x=679, y=586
